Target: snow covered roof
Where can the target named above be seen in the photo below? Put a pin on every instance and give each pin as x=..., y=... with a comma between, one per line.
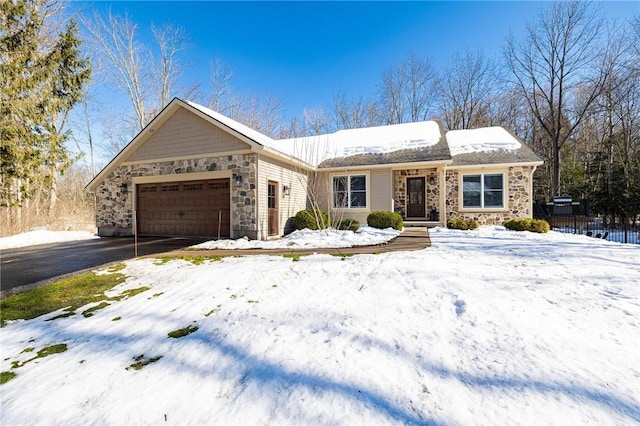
x=481, y=140
x=488, y=145
x=369, y=145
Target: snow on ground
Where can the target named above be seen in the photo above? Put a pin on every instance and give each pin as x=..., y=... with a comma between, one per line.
x=484, y=327
x=43, y=237
x=308, y=239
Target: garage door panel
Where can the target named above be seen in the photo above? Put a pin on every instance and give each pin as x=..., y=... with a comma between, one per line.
x=191, y=208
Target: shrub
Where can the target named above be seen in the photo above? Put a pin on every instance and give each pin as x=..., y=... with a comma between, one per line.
x=383, y=220
x=532, y=225
x=309, y=219
x=462, y=223
x=348, y=224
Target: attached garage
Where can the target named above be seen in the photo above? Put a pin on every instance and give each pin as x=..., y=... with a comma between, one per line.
x=191, y=208
x=194, y=172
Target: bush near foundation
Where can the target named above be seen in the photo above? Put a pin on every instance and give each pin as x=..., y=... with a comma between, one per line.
x=383, y=220
x=348, y=224
x=309, y=219
x=532, y=225
x=461, y=223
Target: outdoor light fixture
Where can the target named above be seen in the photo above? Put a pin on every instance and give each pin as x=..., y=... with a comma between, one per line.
x=123, y=187
x=432, y=180
x=286, y=190
x=237, y=180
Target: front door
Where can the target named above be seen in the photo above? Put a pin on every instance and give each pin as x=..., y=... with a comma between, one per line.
x=415, y=197
x=272, y=207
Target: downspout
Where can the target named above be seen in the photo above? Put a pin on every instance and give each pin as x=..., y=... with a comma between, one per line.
x=258, y=216
x=443, y=196
x=533, y=170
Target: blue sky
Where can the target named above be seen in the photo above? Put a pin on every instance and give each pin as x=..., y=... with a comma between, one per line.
x=303, y=52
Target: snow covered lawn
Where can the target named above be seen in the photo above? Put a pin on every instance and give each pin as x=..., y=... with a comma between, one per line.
x=485, y=327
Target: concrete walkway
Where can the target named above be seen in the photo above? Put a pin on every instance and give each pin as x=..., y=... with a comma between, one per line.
x=409, y=240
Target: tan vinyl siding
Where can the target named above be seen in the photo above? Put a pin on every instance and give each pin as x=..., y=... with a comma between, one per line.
x=288, y=205
x=185, y=134
x=381, y=194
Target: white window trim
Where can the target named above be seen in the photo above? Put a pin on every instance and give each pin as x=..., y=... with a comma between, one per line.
x=348, y=175
x=505, y=190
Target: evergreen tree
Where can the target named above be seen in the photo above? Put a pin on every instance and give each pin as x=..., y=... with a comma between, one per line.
x=41, y=79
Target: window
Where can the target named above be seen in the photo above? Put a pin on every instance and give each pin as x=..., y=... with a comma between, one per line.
x=271, y=195
x=484, y=191
x=192, y=186
x=350, y=192
x=169, y=188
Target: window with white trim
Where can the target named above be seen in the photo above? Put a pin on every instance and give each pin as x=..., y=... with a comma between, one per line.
x=483, y=191
x=350, y=192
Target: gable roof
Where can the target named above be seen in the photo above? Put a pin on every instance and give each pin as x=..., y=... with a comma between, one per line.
x=254, y=139
x=393, y=144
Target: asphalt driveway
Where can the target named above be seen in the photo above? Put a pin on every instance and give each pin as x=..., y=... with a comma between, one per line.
x=26, y=267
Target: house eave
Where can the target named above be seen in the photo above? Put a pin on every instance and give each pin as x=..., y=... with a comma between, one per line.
x=494, y=165
x=272, y=153
x=392, y=166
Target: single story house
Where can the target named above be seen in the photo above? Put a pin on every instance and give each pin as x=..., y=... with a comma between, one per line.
x=192, y=171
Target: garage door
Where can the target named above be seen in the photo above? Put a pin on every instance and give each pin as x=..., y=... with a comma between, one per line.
x=194, y=208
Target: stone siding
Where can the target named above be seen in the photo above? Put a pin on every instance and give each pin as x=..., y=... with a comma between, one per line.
x=432, y=192
x=518, y=198
x=114, y=215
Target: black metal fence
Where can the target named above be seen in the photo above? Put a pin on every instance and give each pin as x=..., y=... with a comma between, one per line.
x=562, y=219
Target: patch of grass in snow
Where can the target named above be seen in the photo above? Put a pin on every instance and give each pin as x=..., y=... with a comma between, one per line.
x=196, y=260
x=129, y=293
x=89, y=312
x=116, y=268
x=27, y=350
x=156, y=295
x=44, y=352
x=141, y=361
x=294, y=257
x=117, y=319
x=69, y=312
x=71, y=293
x=213, y=311
x=181, y=332
x=53, y=349
x=342, y=256
x=252, y=301
x=163, y=260
x=5, y=376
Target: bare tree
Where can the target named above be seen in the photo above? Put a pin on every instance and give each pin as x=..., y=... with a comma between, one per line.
x=220, y=75
x=467, y=89
x=171, y=41
x=356, y=114
x=260, y=112
x=407, y=91
x=123, y=60
x=550, y=64
x=131, y=66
